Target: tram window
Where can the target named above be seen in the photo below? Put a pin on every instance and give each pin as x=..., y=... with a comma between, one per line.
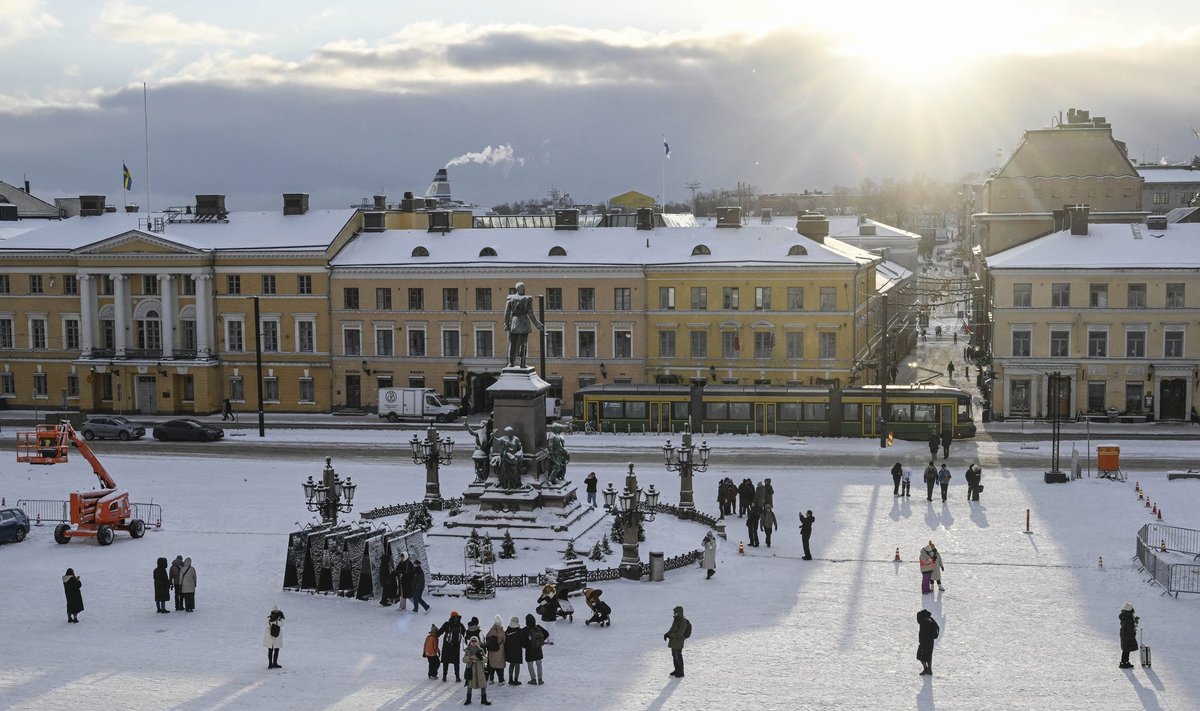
x=925, y=413
x=716, y=411
x=635, y=410
x=900, y=413
x=964, y=411
x=850, y=411
x=612, y=409
x=789, y=411
x=739, y=411
x=814, y=411
x=679, y=410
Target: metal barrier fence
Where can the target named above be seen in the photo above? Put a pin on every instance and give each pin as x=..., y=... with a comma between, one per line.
x=1173, y=578
x=59, y=511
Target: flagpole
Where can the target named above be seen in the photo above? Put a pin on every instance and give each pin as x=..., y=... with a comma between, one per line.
x=146, y=133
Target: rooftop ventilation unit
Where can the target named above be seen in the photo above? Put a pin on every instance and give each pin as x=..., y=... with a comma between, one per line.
x=210, y=208
x=1079, y=219
x=766, y=216
x=1156, y=222
x=91, y=205
x=566, y=219
x=295, y=203
x=381, y=202
x=439, y=221
x=8, y=212
x=373, y=222
x=813, y=225
x=866, y=230
x=645, y=218
x=408, y=204
x=131, y=208
x=729, y=217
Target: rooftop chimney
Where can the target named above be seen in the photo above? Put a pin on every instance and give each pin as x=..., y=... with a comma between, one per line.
x=91, y=205
x=1060, y=220
x=295, y=203
x=131, y=208
x=381, y=202
x=814, y=226
x=729, y=217
x=1079, y=219
x=566, y=219
x=408, y=204
x=645, y=218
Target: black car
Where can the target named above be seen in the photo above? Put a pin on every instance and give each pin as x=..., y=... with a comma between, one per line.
x=14, y=524
x=188, y=429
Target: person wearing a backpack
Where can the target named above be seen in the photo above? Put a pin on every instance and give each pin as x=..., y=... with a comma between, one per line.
x=680, y=630
x=926, y=634
x=451, y=632
x=931, y=474
x=514, y=645
x=534, y=636
x=431, y=651
x=493, y=641
x=273, y=637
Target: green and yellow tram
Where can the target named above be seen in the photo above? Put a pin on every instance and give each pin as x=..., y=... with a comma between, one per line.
x=912, y=411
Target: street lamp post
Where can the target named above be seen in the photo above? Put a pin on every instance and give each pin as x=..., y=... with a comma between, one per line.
x=630, y=508
x=683, y=460
x=330, y=495
x=432, y=452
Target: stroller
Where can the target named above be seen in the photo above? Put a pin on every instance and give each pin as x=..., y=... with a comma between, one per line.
x=600, y=610
x=554, y=605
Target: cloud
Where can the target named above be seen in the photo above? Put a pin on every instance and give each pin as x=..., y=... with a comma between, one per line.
x=22, y=20
x=488, y=156
x=134, y=24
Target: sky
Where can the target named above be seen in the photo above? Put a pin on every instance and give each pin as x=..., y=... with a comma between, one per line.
x=345, y=101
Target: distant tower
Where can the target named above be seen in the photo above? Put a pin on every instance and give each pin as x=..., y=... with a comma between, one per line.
x=693, y=185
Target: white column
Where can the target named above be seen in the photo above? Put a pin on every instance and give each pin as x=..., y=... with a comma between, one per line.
x=204, y=347
x=87, y=313
x=166, y=289
x=121, y=312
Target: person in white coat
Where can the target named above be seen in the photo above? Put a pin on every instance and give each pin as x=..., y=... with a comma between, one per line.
x=273, y=637
x=187, y=585
x=708, y=559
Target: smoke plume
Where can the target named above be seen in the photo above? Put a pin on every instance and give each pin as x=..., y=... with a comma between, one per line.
x=488, y=156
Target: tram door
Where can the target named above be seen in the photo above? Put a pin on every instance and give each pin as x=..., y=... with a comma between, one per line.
x=948, y=419
x=764, y=417
x=870, y=427
x=660, y=416
x=593, y=414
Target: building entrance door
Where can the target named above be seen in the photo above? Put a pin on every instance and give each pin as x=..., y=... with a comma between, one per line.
x=144, y=393
x=353, y=391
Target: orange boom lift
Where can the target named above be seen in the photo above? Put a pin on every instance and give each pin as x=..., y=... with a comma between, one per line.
x=95, y=514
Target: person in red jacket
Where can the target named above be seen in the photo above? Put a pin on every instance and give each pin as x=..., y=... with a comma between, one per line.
x=432, y=653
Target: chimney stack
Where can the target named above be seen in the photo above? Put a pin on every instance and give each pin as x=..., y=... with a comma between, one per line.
x=1079, y=219
x=295, y=203
x=814, y=226
x=381, y=202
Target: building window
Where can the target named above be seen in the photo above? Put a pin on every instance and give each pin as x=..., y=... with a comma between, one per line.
x=483, y=299
x=149, y=332
x=37, y=334
x=4, y=284
x=352, y=341
x=72, y=385
x=450, y=342
x=233, y=283
x=1021, y=341
x=40, y=387
x=71, y=334
x=306, y=336
x=8, y=384
x=730, y=345
x=729, y=298
x=587, y=299
x=1097, y=344
x=304, y=286
x=416, y=299
x=554, y=343
x=307, y=390
x=699, y=298
x=1060, y=344
x=828, y=298
x=762, y=298
x=106, y=285
x=1162, y=198
x=450, y=299
x=416, y=381
x=554, y=299
x=187, y=285
x=701, y=250
x=237, y=389
x=699, y=343
x=187, y=335
x=1095, y=395
x=149, y=284
x=827, y=345
x=1133, y=397
x=622, y=299
x=1098, y=296
x=1060, y=295
x=666, y=344
x=622, y=343
x=268, y=287
x=350, y=298
x=1135, y=344
x=383, y=298
x=70, y=285
x=451, y=387
x=1022, y=295
x=189, y=388
x=108, y=333
x=764, y=342
x=795, y=345
x=484, y=347
x=587, y=344
x=270, y=336
x=384, y=341
x=666, y=298
x=416, y=342
x=1173, y=344
x=587, y=380
x=1136, y=296
x=35, y=284
x=1174, y=295
x=795, y=298
x=6, y=333
x=270, y=389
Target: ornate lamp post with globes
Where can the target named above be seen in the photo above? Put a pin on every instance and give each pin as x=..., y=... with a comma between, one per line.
x=330, y=495
x=683, y=460
x=630, y=508
x=432, y=452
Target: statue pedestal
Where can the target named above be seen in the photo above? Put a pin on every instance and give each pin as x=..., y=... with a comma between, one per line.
x=519, y=402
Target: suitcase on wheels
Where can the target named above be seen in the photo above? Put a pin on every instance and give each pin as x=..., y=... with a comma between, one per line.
x=1145, y=654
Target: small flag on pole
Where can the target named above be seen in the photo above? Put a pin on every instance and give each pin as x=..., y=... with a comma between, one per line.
x=126, y=177
x=666, y=147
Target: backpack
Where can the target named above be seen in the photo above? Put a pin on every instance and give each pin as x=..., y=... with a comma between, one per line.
x=535, y=639
x=687, y=632
x=493, y=644
x=936, y=629
x=274, y=630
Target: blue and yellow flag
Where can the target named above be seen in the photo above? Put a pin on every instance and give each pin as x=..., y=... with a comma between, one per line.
x=126, y=177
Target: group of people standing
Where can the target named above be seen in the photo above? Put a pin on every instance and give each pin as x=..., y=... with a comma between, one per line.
x=488, y=656
x=406, y=582
x=180, y=577
x=939, y=477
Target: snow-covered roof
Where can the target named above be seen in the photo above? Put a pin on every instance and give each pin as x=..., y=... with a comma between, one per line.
x=12, y=229
x=889, y=275
x=848, y=227
x=1169, y=175
x=244, y=230
x=1107, y=246
x=27, y=205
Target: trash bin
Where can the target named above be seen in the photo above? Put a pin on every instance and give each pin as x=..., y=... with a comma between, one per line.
x=658, y=567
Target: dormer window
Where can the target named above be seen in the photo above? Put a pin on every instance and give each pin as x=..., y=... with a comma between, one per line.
x=420, y=252
x=700, y=250
x=557, y=251
x=797, y=251
x=487, y=252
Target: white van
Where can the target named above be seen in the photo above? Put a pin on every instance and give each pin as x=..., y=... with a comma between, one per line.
x=414, y=403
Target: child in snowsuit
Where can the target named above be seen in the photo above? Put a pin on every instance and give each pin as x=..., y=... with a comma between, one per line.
x=431, y=652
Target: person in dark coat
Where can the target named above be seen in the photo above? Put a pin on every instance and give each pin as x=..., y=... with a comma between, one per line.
x=176, y=566
x=745, y=496
x=934, y=442
x=162, y=586
x=926, y=634
x=943, y=480
x=947, y=438
x=547, y=605
x=473, y=630
x=404, y=571
x=452, y=633
x=226, y=410
x=417, y=588
x=73, y=589
x=752, y=517
x=806, y=524
x=680, y=630
x=931, y=475
x=897, y=472
x=591, y=482
x=535, y=637
x=514, y=646
x=1129, y=641
x=972, y=476
x=721, y=497
x=387, y=577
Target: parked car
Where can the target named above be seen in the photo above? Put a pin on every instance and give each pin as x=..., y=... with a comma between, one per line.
x=106, y=426
x=14, y=524
x=189, y=430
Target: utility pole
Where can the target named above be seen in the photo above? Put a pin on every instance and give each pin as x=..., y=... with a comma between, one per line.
x=262, y=425
x=883, y=371
x=693, y=185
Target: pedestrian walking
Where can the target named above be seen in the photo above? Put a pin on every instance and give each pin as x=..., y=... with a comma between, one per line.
x=416, y=588
x=927, y=632
x=972, y=476
x=431, y=652
x=950, y=370
x=721, y=498
x=452, y=633
x=73, y=589
x=956, y=337
x=591, y=482
x=162, y=587
x=187, y=585
x=897, y=473
x=745, y=496
x=934, y=441
x=476, y=674
x=473, y=630
x=535, y=637
x=514, y=647
x=947, y=438
x=768, y=522
x=1129, y=643
x=806, y=524
x=404, y=580
x=708, y=558
x=943, y=479
x=906, y=482
x=752, y=524
x=176, y=566
x=494, y=642
x=680, y=630
x=930, y=479
x=226, y=410
x=928, y=560
x=273, y=637
x=387, y=577
x=768, y=493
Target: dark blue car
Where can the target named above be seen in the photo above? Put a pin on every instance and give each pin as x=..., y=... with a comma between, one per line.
x=188, y=430
x=14, y=524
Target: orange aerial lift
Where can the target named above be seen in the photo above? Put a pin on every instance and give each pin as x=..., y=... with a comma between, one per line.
x=95, y=514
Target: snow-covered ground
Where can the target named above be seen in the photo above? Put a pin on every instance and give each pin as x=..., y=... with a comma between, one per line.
x=1028, y=620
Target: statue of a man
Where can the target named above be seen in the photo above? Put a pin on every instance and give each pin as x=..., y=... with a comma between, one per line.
x=483, y=447
x=519, y=320
x=510, y=459
x=558, y=455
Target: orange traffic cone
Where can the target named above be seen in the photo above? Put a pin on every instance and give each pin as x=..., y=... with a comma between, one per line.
x=1147, y=502
x=1154, y=509
x=1140, y=495
x=741, y=548
x=897, y=558
x=158, y=524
